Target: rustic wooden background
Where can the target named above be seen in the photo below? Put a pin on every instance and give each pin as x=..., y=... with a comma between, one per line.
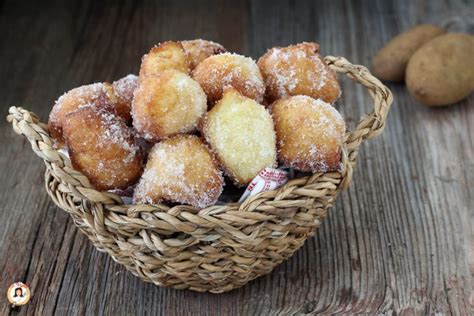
x=399, y=240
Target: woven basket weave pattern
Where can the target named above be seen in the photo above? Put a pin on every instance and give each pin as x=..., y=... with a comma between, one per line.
x=218, y=248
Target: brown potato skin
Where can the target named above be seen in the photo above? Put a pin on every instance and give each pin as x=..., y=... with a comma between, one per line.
x=165, y=56
x=160, y=109
x=96, y=94
x=391, y=61
x=309, y=134
x=180, y=169
x=298, y=70
x=217, y=72
x=197, y=50
x=441, y=72
x=102, y=147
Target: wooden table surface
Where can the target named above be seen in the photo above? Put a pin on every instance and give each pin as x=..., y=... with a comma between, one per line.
x=400, y=240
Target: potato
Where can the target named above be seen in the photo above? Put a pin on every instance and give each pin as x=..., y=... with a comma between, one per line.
x=390, y=62
x=441, y=72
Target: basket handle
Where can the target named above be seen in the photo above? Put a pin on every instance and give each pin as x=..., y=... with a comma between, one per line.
x=370, y=125
x=28, y=124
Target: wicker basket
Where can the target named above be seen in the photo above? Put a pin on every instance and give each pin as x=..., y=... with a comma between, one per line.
x=218, y=248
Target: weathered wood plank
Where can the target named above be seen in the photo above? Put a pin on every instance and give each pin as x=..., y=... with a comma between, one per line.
x=399, y=240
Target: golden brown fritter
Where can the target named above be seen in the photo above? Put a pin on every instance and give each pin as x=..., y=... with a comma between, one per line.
x=102, y=147
x=96, y=94
x=197, y=50
x=123, y=90
x=240, y=131
x=220, y=71
x=298, y=70
x=165, y=56
x=167, y=104
x=309, y=132
x=180, y=169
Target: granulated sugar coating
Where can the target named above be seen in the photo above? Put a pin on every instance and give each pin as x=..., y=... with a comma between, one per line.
x=197, y=50
x=168, y=55
x=298, y=70
x=180, y=169
x=309, y=132
x=240, y=132
x=223, y=70
x=124, y=89
x=103, y=95
x=102, y=146
x=74, y=99
x=167, y=104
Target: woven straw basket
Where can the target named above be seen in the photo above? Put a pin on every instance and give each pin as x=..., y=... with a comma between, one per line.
x=218, y=248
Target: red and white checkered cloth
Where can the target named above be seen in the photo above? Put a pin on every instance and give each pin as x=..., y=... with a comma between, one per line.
x=267, y=179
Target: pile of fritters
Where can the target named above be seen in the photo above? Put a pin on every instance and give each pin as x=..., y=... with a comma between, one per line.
x=195, y=111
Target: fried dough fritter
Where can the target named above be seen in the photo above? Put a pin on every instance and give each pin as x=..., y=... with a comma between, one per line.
x=165, y=56
x=240, y=131
x=102, y=146
x=217, y=72
x=180, y=169
x=167, y=104
x=123, y=90
x=96, y=94
x=298, y=70
x=197, y=50
x=310, y=133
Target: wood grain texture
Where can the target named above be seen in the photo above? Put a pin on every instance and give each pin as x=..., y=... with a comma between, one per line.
x=399, y=241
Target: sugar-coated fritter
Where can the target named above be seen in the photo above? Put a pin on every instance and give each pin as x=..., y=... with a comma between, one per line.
x=298, y=70
x=197, y=50
x=167, y=104
x=123, y=90
x=96, y=94
x=310, y=133
x=165, y=56
x=180, y=169
x=240, y=131
x=220, y=71
x=102, y=147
